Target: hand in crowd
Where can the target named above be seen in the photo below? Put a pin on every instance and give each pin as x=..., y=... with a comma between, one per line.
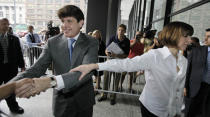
x=110, y=54
x=27, y=87
x=23, y=69
x=39, y=44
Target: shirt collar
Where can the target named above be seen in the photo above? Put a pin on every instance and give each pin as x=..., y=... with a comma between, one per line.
x=76, y=37
x=5, y=35
x=165, y=52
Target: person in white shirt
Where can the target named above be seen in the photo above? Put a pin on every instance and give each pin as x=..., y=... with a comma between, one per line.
x=165, y=71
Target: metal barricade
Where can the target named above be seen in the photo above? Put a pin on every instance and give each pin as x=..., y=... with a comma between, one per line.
x=31, y=54
x=113, y=82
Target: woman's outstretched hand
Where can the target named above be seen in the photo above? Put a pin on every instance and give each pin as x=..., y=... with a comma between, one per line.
x=84, y=69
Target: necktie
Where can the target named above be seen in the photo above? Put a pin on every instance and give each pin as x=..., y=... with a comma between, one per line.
x=4, y=44
x=32, y=38
x=71, y=42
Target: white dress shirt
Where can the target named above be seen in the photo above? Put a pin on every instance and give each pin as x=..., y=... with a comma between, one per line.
x=163, y=92
x=59, y=78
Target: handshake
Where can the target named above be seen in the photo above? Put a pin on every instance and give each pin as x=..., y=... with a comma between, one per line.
x=25, y=88
x=28, y=87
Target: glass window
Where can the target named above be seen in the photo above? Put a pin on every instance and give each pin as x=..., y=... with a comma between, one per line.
x=142, y=7
x=67, y=1
x=198, y=18
x=40, y=22
x=76, y=1
x=13, y=16
x=30, y=10
x=1, y=14
x=158, y=26
x=57, y=1
x=30, y=0
x=40, y=1
x=49, y=1
x=39, y=10
x=49, y=17
x=12, y=7
x=7, y=16
x=32, y=23
x=6, y=7
x=30, y=16
x=147, y=12
x=49, y=11
x=159, y=9
x=39, y=16
x=179, y=4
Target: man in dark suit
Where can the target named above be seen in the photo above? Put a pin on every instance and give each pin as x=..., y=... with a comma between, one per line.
x=197, y=87
x=11, y=58
x=72, y=97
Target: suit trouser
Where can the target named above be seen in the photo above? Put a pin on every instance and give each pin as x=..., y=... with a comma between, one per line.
x=107, y=80
x=200, y=104
x=7, y=72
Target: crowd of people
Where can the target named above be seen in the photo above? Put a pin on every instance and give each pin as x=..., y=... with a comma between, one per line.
x=175, y=65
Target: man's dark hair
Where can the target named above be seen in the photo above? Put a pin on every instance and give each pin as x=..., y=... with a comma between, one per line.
x=208, y=29
x=71, y=11
x=195, y=39
x=122, y=26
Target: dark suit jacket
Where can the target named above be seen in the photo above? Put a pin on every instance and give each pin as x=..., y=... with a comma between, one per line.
x=77, y=95
x=196, y=64
x=15, y=56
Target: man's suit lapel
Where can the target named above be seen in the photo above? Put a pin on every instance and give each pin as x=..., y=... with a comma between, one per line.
x=205, y=51
x=80, y=46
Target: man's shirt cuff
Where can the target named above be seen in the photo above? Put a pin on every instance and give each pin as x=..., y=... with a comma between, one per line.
x=60, y=83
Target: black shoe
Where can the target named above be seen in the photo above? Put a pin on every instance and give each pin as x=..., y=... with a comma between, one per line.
x=102, y=98
x=112, y=102
x=17, y=110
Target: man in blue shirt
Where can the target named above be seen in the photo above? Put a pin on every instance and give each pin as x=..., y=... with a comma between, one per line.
x=33, y=40
x=197, y=87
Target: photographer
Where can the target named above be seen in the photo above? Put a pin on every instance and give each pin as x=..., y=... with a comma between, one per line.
x=147, y=39
x=156, y=43
x=51, y=31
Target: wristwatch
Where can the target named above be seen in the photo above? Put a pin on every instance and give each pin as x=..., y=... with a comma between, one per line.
x=53, y=82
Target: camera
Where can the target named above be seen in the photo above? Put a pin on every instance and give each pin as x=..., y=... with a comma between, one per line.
x=138, y=36
x=52, y=31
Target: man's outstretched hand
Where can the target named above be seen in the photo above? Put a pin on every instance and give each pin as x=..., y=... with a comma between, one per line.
x=28, y=87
